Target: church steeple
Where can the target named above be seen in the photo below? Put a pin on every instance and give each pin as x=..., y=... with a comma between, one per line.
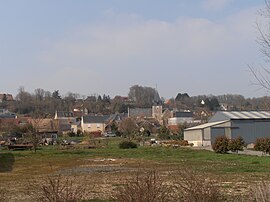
x=157, y=101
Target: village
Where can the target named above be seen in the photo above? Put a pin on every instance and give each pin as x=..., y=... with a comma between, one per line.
x=107, y=141
x=135, y=101
x=195, y=129
x=192, y=128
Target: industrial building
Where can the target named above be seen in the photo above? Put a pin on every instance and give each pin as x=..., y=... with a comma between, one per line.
x=250, y=125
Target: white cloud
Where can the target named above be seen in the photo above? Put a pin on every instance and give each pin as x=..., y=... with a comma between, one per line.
x=215, y=4
x=188, y=54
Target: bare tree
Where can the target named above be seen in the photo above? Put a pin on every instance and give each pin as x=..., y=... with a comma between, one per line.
x=262, y=74
x=57, y=188
x=129, y=128
x=145, y=187
x=142, y=96
x=32, y=132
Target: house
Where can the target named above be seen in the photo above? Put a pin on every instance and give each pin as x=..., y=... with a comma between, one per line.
x=154, y=112
x=92, y=124
x=63, y=115
x=79, y=109
x=46, y=128
x=149, y=125
x=250, y=125
x=76, y=127
x=64, y=120
x=181, y=117
x=6, y=97
x=19, y=121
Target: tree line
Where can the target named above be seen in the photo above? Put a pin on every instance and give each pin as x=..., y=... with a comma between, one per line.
x=45, y=103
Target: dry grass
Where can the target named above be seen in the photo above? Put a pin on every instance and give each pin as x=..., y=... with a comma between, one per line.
x=145, y=187
x=260, y=192
x=88, y=164
x=57, y=189
x=3, y=195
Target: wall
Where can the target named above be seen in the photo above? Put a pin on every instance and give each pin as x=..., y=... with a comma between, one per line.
x=194, y=136
x=250, y=129
x=179, y=120
x=92, y=127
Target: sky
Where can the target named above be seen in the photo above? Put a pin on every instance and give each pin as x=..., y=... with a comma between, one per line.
x=90, y=47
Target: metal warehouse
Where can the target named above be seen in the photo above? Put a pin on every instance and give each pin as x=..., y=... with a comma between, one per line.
x=247, y=124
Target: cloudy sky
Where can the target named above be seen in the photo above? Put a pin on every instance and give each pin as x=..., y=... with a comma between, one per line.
x=106, y=46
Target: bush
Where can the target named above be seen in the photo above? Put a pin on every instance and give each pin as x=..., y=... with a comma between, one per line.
x=57, y=189
x=236, y=145
x=79, y=132
x=262, y=144
x=147, y=187
x=221, y=145
x=178, y=142
x=194, y=186
x=127, y=145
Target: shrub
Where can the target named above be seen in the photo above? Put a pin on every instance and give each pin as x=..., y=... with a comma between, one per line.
x=221, y=145
x=164, y=133
x=57, y=189
x=79, y=132
x=177, y=142
x=236, y=145
x=194, y=186
x=163, y=136
x=144, y=188
x=262, y=144
x=127, y=145
x=183, y=143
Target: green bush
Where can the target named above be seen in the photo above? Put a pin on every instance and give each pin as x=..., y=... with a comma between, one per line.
x=262, y=144
x=236, y=145
x=127, y=145
x=221, y=145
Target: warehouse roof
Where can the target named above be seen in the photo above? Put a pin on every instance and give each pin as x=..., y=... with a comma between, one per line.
x=207, y=125
x=225, y=115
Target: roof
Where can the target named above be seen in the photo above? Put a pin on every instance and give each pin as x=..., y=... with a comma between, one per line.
x=8, y=97
x=8, y=115
x=43, y=125
x=184, y=114
x=225, y=115
x=15, y=121
x=64, y=114
x=206, y=125
x=140, y=112
x=95, y=119
x=157, y=100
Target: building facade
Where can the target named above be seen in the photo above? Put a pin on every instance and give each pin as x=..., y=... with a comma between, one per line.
x=250, y=125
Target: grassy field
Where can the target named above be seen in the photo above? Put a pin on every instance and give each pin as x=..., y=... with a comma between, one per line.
x=107, y=166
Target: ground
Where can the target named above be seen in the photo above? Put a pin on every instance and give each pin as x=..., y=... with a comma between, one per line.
x=105, y=168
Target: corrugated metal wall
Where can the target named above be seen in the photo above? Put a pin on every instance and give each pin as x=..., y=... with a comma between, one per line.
x=251, y=129
x=220, y=130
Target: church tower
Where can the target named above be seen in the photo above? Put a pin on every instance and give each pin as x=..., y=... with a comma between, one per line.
x=157, y=108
